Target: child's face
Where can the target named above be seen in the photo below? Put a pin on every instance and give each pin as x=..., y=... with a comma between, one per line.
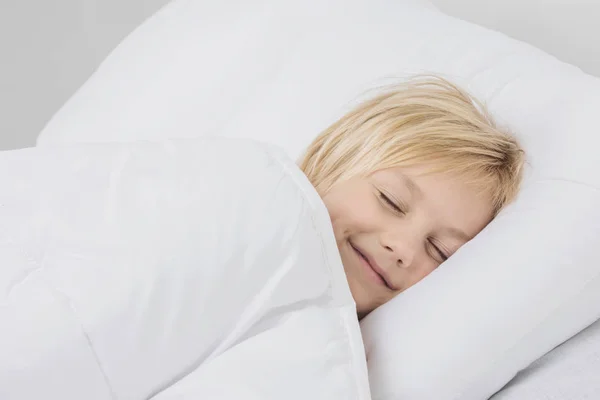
x=394, y=227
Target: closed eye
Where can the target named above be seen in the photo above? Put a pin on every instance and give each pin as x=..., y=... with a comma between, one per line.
x=390, y=203
x=443, y=256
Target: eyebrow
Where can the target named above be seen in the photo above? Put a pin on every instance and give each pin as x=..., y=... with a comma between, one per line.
x=414, y=189
x=458, y=233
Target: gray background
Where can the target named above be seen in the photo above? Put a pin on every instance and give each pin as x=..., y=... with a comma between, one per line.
x=48, y=48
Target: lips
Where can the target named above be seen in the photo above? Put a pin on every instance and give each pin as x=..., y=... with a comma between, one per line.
x=373, y=270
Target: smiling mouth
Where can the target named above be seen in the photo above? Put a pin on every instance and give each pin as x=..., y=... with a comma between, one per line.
x=371, y=271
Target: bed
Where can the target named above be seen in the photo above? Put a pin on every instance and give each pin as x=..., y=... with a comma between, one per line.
x=281, y=71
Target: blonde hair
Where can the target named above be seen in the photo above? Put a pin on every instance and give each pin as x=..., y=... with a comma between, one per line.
x=425, y=121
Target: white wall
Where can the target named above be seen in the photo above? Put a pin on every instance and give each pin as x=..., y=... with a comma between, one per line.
x=567, y=29
x=49, y=47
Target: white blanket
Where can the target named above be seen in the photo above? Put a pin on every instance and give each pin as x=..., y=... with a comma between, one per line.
x=202, y=269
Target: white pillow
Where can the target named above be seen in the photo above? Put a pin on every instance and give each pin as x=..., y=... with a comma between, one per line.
x=282, y=71
x=126, y=268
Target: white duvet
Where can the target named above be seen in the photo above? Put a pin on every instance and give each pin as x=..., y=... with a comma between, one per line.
x=194, y=269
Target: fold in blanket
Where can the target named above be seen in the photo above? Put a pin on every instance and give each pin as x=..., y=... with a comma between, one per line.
x=198, y=268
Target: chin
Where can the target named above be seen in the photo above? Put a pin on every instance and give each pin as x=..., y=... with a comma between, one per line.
x=361, y=298
x=362, y=309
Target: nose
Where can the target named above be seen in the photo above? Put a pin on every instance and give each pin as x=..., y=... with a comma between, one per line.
x=401, y=249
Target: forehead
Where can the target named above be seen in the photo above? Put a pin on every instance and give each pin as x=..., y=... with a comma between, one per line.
x=448, y=201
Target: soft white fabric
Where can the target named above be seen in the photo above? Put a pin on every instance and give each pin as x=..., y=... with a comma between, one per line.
x=209, y=265
x=282, y=71
x=571, y=372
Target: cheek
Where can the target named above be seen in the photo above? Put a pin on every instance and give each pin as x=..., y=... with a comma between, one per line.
x=428, y=267
x=412, y=276
x=352, y=214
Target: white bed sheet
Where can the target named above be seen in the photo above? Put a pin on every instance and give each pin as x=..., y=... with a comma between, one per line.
x=569, y=372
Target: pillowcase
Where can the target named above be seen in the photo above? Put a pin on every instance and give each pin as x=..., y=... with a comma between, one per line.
x=282, y=72
x=127, y=267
